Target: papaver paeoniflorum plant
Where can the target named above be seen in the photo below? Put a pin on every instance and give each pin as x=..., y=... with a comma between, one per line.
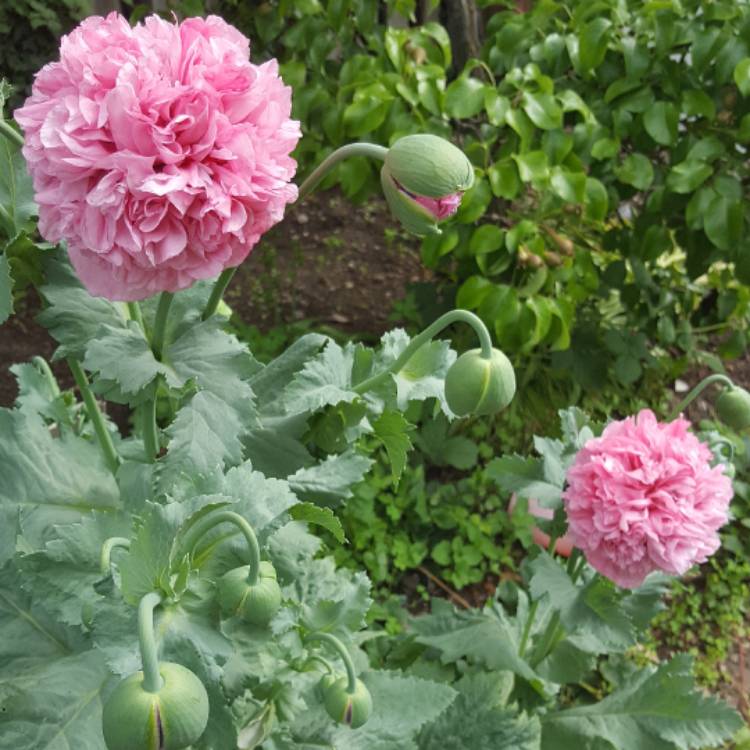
x=643, y=497
x=159, y=153
x=164, y=587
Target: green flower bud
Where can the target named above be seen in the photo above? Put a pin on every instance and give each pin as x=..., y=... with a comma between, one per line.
x=479, y=386
x=423, y=178
x=255, y=604
x=173, y=718
x=427, y=165
x=733, y=408
x=353, y=708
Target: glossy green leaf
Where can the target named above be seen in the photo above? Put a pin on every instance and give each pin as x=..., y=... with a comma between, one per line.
x=742, y=76
x=465, y=97
x=636, y=170
x=724, y=222
x=661, y=121
x=688, y=176
x=543, y=110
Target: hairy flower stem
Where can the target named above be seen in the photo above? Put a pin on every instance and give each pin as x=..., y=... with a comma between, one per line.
x=717, y=378
x=11, y=133
x=134, y=309
x=220, y=286
x=527, y=627
x=150, y=429
x=370, y=150
x=160, y=324
x=454, y=316
x=203, y=525
x=343, y=652
x=152, y=679
x=95, y=415
x=112, y=543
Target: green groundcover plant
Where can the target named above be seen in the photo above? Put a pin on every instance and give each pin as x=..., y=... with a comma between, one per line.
x=160, y=584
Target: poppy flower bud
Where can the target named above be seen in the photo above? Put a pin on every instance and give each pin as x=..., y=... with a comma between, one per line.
x=351, y=708
x=478, y=385
x=423, y=179
x=733, y=408
x=256, y=603
x=172, y=718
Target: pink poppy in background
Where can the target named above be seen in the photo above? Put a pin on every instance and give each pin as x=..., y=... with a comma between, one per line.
x=563, y=546
x=644, y=497
x=159, y=153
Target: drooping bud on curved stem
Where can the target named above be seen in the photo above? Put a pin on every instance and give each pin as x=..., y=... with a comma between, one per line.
x=110, y=544
x=250, y=591
x=165, y=706
x=732, y=406
x=480, y=381
x=347, y=699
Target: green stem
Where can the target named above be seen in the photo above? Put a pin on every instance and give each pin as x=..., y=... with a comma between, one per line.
x=716, y=378
x=331, y=640
x=106, y=557
x=42, y=365
x=204, y=525
x=150, y=429
x=454, y=316
x=135, y=313
x=11, y=133
x=152, y=679
x=527, y=627
x=95, y=415
x=7, y=221
x=160, y=324
x=550, y=633
x=220, y=286
x=371, y=150
x=327, y=664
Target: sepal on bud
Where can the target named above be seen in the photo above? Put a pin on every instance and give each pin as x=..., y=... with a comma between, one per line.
x=173, y=718
x=351, y=708
x=733, y=408
x=478, y=385
x=428, y=165
x=256, y=604
x=423, y=177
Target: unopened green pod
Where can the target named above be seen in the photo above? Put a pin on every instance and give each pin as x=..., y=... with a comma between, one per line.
x=352, y=708
x=172, y=718
x=255, y=603
x=733, y=408
x=428, y=165
x=480, y=385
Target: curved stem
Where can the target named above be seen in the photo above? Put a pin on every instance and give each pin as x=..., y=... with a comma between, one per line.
x=208, y=522
x=95, y=415
x=371, y=150
x=135, y=313
x=152, y=679
x=160, y=324
x=717, y=378
x=150, y=429
x=343, y=652
x=42, y=365
x=454, y=316
x=106, y=557
x=327, y=664
x=220, y=286
x=11, y=133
